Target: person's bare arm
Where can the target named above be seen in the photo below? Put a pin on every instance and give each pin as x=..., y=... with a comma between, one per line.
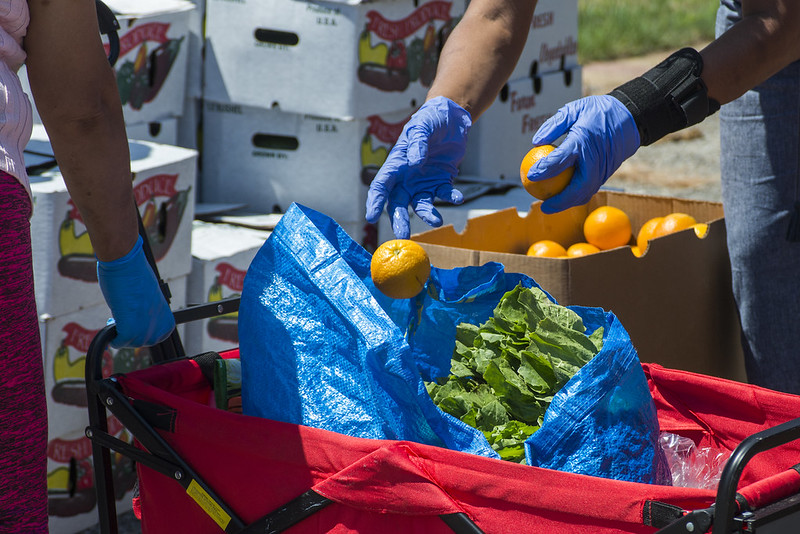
x=481, y=52
x=76, y=95
x=762, y=43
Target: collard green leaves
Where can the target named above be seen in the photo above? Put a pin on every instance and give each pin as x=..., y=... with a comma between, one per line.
x=505, y=372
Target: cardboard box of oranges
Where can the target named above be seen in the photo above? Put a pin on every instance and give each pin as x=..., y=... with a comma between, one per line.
x=674, y=298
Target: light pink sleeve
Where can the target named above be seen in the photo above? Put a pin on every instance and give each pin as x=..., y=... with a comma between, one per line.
x=15, y=107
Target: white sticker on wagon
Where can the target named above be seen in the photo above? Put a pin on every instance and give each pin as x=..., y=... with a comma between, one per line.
x=209, y=505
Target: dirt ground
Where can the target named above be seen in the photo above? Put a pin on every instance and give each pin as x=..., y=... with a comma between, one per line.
x=684, y=164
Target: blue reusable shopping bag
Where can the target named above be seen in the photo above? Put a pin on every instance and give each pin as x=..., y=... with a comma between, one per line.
x=321, y=346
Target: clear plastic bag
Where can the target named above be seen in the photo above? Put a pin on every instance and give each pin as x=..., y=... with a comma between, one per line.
x=692, y=466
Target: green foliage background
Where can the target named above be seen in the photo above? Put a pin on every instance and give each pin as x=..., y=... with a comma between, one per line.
x=611, y=29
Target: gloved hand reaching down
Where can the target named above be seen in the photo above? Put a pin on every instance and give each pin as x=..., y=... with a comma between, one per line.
x=139, y=309
x=421, y=166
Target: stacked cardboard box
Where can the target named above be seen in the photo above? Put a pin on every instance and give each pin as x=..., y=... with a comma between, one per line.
x=303, y=100
x=72, y=310
x=157, y=69
x=268, y=159
x=329, y=58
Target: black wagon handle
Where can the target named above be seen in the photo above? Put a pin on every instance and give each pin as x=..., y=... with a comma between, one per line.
x=109, y=25
x=172, y=347
x=725, y=508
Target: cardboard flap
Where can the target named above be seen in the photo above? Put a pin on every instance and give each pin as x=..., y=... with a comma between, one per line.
x=507, y=231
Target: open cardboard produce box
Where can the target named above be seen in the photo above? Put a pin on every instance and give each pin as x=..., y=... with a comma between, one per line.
x=675, y=300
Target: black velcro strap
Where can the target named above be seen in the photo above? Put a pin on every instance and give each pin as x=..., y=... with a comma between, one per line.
x=660, y=514
x=668, y=97
x=742, y=503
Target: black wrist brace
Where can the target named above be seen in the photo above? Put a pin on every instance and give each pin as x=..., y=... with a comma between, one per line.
x=668, y=97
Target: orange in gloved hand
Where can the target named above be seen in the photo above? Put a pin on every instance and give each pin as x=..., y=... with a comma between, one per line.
x=400, y=268
x=607, y=227
x=542, y=189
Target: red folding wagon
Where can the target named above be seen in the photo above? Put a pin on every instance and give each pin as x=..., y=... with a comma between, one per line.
x=206, y=470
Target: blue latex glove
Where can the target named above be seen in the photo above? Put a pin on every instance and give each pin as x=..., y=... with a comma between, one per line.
x=601, y=134
x=131, y=290
x=421, y=166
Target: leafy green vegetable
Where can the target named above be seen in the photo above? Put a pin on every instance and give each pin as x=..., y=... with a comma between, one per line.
x=505, y=372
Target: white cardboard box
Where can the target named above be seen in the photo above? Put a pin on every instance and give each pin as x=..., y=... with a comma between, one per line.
x=552, y=43
x=65, y=273
x=325, y=58
x=221, y=255
x=165, y=37
x=153, y=58
x=501, y=137
x=268, y=159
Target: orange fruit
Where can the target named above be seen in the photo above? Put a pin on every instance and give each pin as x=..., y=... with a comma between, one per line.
x=674, y=222
x=700, y=229
x=542, y=189
x=607, y=227
x=546, y=248
x=647, y=232
x=636, y=251
x=581, y=249
x=400, y=268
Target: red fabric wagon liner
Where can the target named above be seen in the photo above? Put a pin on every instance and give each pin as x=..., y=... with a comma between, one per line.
x=257, y=465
